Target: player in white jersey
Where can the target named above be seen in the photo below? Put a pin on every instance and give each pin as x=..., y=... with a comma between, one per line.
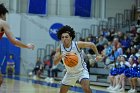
x=79, y=72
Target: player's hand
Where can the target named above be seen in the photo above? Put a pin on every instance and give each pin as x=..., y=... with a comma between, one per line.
x=64, y=55
x=99, y=58
x=30, y=46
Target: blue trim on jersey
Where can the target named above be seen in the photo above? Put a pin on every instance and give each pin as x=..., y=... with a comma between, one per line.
x=80, y=52
x=66, y=49
x=83, y=63
x=77, y=48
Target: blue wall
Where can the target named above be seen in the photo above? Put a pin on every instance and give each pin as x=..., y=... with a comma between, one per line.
x=7, y=48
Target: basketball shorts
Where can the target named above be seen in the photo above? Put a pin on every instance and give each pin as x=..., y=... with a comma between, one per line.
x=70, y=79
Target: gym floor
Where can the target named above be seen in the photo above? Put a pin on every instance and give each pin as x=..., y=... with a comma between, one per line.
x=28, y=85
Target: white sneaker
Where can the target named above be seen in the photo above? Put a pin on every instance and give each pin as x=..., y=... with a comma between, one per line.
x=111, y=88
x=117, y=87
x=108, y=88
x=30, y=73
x=129, y=91
x=35, y=77
x=122, y=90
x=134, y=91
x=47, y=79
x=51, y=80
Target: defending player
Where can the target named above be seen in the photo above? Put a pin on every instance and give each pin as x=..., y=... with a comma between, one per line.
x=5, y=29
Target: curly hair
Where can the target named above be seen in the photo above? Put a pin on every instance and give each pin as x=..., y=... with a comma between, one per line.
x=66, y=29
x=3, y=9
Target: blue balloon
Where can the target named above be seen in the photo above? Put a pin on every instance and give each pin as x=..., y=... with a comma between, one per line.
x=138, y=74
x=131, y=72
x=114, y=71
x=135, y=74
x=127, y=72
x=121, y=70
x=138, y=68
x=54, y=29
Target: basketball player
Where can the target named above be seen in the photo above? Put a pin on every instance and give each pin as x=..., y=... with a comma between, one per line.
x=79, y=72
x=5, y=29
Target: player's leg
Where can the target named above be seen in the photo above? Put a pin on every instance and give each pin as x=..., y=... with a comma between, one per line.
x=64, y=89
x=1, y=79
x=85, y=83
x=68, y=81
x=7, y=69
x=13, y=70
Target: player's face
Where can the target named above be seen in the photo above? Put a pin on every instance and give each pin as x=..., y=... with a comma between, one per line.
x=66, y=39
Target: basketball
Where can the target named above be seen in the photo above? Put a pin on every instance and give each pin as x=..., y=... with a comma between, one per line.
x=71, y=59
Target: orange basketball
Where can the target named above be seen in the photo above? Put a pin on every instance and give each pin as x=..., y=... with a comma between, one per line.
x=71, y=59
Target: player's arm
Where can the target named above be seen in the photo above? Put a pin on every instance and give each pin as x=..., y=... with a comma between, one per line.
x=88, y=45
x=12, y=39
x=57, y=57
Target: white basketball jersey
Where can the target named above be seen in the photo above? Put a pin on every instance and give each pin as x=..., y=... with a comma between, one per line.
x=81, y=64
